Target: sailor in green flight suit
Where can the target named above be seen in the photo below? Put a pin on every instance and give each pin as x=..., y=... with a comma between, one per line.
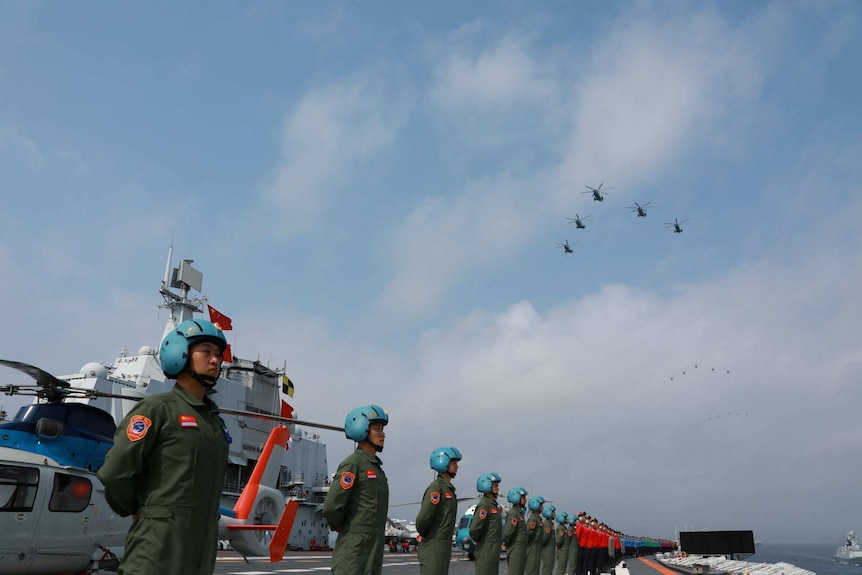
x=167, y=465
x=358, y=499
x=573, y=545
x=535, y=535
x=548, y=539
x=486, y=527
x=438, y=513
x=562, y=543
x=515, y=532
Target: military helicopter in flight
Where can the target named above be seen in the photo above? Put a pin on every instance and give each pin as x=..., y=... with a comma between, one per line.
x=639, y=209
x=597, y=192
x=676, y=225
x=54, y=516
x=579, y=221
x=567, y=248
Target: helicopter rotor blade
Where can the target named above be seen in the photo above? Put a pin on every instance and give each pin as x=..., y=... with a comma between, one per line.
x=277, y=418
x=41, y=376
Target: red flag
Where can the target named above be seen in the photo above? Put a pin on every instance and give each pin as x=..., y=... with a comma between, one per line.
x=286, y=410
x=227, y=356
x=221, y=320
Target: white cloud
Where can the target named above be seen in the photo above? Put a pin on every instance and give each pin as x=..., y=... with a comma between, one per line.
x=330, y=132
x=501, y=77
x=652, y=88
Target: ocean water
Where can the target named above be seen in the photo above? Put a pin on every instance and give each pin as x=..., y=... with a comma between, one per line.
x=815, y=557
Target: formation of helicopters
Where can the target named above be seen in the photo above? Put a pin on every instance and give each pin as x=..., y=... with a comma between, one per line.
x=598, y=195
x=53, y=513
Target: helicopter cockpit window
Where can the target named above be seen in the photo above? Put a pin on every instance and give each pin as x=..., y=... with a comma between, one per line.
x=465, y=521
x=18, y=487
x=71, y=494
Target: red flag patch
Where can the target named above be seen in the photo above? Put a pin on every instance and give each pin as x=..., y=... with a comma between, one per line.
x=188, y=421
x=371, y=474
x=347, y=479
x=435, y=497
x=138, y=427
x=448, y=495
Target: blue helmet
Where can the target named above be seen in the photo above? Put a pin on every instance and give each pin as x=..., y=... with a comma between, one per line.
x=572, y=519
x=174, y=351
x=358, y=420
x=561, y=517
x=535, y=503
x=548, y=511
x=487, y=481
x=514, y=495
x=441, y=457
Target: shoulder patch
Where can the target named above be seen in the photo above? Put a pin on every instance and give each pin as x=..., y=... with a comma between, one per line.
x=435, y=497
x=514, y=522
x=482, y=514
x=138, y=427
x=347, y=479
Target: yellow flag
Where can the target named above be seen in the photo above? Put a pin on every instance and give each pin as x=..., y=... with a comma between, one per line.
x=286, y=386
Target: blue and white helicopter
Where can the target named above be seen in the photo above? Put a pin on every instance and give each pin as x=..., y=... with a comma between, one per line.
x=54, y=517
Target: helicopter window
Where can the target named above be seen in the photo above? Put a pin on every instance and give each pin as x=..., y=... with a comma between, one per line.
x=465, y=522
x=71, y=493
x=18, y=487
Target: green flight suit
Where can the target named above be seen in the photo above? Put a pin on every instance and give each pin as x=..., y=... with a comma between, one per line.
x=535, y=539
x=548, y=547
x=167, y=467
x=515, y=539
x=562, y=544
x=435, y=523
x=356, y=507
x=573, y=550
x=486, y=531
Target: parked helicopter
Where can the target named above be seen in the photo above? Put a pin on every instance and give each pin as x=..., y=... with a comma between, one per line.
x=54, y=517
x=639, y=209
x=462, y=536
x=579, y=221
x=597, y=192
x=567, y=248
x=676, y=225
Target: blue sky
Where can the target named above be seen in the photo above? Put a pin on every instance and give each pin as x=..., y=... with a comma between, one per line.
x=374, y=192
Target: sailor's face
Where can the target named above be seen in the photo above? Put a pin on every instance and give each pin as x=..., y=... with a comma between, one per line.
x=495, y=488
x=453, y=468
x=376, y=435
x=205, y=358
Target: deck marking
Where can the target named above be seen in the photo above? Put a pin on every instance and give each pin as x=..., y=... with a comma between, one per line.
x=657, y=567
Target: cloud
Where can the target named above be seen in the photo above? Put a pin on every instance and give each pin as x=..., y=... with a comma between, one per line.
x=332, y=130
x=500, y=77
x=651, y=88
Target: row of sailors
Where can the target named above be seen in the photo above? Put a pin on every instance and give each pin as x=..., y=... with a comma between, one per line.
x=578, y=545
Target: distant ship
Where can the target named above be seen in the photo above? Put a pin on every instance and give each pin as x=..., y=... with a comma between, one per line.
x=850, y=552
x=244, y=385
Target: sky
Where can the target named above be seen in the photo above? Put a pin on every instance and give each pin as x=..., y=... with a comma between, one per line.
x=375, y=192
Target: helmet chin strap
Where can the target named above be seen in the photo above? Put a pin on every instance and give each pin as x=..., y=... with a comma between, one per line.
x=205, y=380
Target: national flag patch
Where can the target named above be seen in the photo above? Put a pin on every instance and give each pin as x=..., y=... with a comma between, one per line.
x=482, y=514
x=448, y=495
x=435, y=497
x=494, y=510
x=347, y=479
x=138, y=427
x=188, y=421
x=371, y=474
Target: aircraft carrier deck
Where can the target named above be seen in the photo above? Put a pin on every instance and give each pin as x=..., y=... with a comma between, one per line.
x=230, y=563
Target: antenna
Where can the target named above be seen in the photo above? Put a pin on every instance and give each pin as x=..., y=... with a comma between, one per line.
x=168, y=265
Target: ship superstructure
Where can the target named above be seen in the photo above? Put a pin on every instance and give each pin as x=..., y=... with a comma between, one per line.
x=244, y=385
